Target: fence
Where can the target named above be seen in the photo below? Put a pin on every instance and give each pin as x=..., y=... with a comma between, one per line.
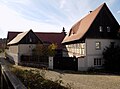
x=35, y=61
x=65, y=63
x=8, y=80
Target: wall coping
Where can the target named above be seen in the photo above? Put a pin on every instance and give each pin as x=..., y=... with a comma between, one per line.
x=17, y=84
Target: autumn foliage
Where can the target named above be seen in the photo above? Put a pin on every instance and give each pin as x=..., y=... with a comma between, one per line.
x=45, y=50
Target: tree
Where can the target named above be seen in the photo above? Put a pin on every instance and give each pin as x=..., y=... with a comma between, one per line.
x=40, y=50
x=45, y=50
x=52, y=49
x=111, y=56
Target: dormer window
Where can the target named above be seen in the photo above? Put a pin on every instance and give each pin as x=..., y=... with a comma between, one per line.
x=108, y=29
x=100, y=28
x=72, y=33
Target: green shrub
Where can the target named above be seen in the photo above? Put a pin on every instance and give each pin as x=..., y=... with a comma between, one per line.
x=111, y=55
x=91, y=69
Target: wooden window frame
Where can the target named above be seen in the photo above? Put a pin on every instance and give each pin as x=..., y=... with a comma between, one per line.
x=97, y=61
x=100, y=29
x=108, y=29
x=98, y=45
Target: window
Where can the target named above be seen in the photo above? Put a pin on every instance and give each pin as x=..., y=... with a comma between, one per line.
x=82, y=46
x=100, y=28
x=30, y=40
x=69, y=47
x=97, y=61
x=112, y=43
x=66, y=45
x=82, y=49
x=108, y=29
x=77, y=46
x=98, y=45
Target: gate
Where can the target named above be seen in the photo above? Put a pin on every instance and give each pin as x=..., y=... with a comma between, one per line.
x=65, y=63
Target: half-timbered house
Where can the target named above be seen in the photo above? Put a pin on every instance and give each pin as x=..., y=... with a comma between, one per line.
x=87, y=39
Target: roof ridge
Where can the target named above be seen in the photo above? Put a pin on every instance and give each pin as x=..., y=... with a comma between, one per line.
x=48, y=32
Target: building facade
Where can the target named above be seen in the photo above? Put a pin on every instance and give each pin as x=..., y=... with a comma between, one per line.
x=88, y=38
x=22, y=44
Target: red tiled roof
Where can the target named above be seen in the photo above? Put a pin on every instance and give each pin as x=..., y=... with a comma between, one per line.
x=81, y=27
x=44, y=37
x=51, y=37
x=12, y=35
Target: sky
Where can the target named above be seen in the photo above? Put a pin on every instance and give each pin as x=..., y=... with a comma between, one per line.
x=48, y=15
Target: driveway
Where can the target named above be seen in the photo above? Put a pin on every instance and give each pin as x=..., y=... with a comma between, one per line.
x=79, y=81
x=82, y=81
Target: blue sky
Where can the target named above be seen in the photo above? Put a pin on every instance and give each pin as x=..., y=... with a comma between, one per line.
x=47, y=15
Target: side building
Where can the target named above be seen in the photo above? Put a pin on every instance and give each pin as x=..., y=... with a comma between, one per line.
x=22, y=43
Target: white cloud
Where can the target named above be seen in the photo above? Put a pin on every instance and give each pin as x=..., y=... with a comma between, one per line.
x=44, y=15
x=16, y=1
x=74, y=10
x=12, y=21
x=111, y=2
x=118, y=12
x=62, y=3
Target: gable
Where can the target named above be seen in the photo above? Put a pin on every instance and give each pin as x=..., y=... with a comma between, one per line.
x=28, y=37
x=104, y=26
x=87, y=26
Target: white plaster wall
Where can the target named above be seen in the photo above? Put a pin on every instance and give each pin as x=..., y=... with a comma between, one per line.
x=92, y=52
x=82, y=64
x=26, y=49
x=90, y=45
x=13, y=49
x=13, y=54
x=90, y=60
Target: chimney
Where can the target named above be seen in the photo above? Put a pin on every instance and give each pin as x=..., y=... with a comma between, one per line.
x=63, y=31
x=90, y=11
